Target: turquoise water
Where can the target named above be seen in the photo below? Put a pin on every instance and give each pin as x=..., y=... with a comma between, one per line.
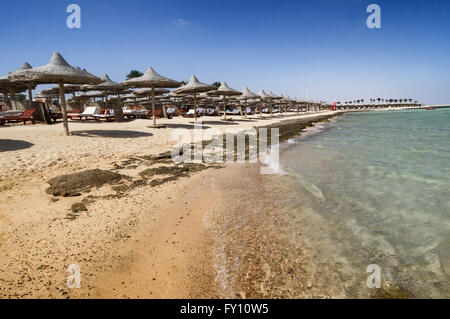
x=376, y=189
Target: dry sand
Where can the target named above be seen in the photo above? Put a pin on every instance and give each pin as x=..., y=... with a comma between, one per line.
x=144, y=238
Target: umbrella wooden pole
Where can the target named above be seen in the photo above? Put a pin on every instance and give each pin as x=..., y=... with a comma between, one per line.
x=13, y=99
x=30, y=98
x=6, y=99
x=153, y=106
x=260, y=108
x=64, y=107
x=224, y=109
x=195, y=106
x=246, y=108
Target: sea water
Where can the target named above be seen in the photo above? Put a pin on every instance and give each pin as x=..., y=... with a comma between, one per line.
x=375, y=190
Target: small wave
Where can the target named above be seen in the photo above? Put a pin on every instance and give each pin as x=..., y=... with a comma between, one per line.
x=271, y=164
x=312, y=188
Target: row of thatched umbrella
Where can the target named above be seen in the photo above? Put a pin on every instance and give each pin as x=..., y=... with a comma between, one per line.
x=70, y=79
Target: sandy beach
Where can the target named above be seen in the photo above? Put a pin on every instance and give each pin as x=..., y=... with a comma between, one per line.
x=150, y=229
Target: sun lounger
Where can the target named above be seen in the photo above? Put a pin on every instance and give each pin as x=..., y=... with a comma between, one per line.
x=190, y=113
x=26, y=116
x=158, y=113
x=107, y=115
x=90, y=111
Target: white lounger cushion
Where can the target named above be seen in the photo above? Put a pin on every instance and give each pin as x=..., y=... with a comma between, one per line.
x=89, y=111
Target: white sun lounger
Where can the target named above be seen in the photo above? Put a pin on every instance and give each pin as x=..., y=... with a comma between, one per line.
x=90, y=111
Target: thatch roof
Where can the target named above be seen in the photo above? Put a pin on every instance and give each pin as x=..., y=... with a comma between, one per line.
x=148, y=91
x=288, y=99
x=6, y=84
x=107, y=85
x=275, y=97
x=56, y=70
x=263, y=95
x=224, y=90
x=247, y=94
x=194, y=86
x=93, y=94
x=151, y=79
x=5, y=78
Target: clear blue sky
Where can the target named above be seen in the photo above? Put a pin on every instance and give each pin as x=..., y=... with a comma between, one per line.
x=274, y=45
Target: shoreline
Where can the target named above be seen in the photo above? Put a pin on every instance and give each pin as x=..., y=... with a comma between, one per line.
x=150, y=229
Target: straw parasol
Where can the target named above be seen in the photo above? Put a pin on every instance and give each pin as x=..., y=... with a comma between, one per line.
x=274, y=98
x=90, y=94
x=194, y=86
x=224, y=90
x=56, y=71
x=152, y=80
x=263, y=96
x=147, y=91
x=14, y=88
x=247, y=95
x=109, y=87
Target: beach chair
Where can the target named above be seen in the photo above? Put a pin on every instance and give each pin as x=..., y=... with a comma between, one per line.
x=189, y=113
x=90, y=111
x=171, y=112
x=26, y=116
x=107, y=115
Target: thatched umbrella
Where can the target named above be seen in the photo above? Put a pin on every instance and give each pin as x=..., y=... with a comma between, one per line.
x=152, y=80
x=263, y=96
x=91, y=94
x=194, y=86
x=224, y=90
x=7, y=87
x=18, y=87
x=274, y=97
x=247, y=95
x=56, y=71
x=147, y=91
x=110, y=87
x=157, y=93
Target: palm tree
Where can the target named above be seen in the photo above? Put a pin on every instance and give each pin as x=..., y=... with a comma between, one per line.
x=134, y=74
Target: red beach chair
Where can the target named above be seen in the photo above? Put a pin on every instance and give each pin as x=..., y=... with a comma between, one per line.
x=26, y=116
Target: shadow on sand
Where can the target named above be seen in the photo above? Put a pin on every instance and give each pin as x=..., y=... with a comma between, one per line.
x=219, y=123
x=244, y=120
x=111, y=133
x=13, y=145
x=186, y=126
